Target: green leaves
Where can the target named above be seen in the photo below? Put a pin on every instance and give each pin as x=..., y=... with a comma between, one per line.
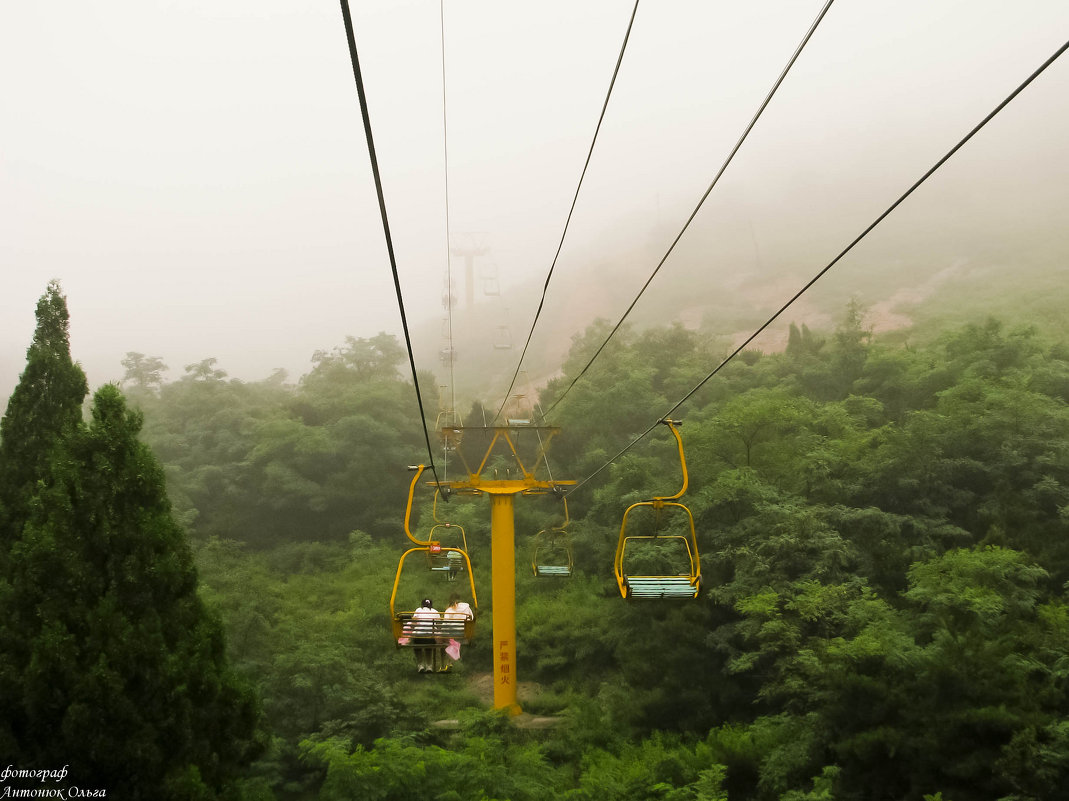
x=393, y=770
x=123, y=670
x=975, y=589
x=942, y=692
x=45, y=406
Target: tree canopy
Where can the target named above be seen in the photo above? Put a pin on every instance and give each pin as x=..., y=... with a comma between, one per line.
x=112, y=664
x=883, y=536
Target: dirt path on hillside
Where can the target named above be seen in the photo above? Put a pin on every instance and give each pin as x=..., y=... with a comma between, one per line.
x=880, y=317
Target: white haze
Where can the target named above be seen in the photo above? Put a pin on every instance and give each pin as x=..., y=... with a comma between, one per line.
x=196, y=173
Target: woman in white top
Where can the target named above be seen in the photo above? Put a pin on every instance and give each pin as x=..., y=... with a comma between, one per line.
x=421, y=627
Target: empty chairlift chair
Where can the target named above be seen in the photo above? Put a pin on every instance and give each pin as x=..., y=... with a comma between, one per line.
x=552, y=554
x=665, y=563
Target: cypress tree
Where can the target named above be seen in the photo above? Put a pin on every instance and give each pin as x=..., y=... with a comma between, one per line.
x=46, y=403
x=123, y=670
x=109, y=661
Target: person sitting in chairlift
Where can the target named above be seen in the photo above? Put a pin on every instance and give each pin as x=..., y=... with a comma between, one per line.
x=422, y=628
x=455, y=616
x=456, y=563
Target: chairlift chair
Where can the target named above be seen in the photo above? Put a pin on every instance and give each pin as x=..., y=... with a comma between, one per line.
x=662, y=585
x=488, y=275
x=444, y=560
x=447, y=561
x=503, y=338
x=552, y=554
x=440, y=630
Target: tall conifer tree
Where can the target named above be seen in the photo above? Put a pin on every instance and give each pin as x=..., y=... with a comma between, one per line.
x=124, y=674
x=109, y=661
x=46, y=403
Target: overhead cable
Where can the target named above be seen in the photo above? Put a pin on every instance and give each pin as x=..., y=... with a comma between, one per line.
x=568, y=220
x=448, y=254
x=842, y=253
x=385, y=221
x=701, y=202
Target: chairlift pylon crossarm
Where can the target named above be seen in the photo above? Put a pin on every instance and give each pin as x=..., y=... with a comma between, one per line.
x=523, y=466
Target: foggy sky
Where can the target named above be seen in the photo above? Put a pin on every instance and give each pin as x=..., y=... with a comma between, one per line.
x=196, y=174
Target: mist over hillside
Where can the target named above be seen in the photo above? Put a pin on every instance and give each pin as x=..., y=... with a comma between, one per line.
x=913, y=287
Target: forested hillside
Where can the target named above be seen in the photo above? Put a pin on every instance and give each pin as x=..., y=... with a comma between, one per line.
x=883, y=615
x=720, y=399
x=883, y=537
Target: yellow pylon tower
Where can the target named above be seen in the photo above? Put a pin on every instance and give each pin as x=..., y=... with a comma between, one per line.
x=521, y=448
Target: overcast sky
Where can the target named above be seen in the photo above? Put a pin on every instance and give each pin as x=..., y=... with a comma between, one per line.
x=195, y=171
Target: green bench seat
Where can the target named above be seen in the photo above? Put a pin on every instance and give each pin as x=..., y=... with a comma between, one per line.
x=660, y=587
x=552, y=570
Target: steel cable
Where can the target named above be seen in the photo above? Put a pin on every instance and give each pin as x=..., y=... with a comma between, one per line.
x=842, y=253
x=385, y=221
x=568, y=220
x=701, y=202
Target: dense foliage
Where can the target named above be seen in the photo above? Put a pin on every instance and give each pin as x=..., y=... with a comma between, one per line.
x=269, y=464
x=883, y=534
x=45, y=407
x=46, y=404
x=112, y=665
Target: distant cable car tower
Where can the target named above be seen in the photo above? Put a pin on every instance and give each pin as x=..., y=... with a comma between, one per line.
x=469, y=250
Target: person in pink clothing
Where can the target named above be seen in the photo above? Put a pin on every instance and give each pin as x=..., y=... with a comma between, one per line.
x=455, y=615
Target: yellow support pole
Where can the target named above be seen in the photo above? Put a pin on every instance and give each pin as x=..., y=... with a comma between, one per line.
x=503, y=562
x=502, y=494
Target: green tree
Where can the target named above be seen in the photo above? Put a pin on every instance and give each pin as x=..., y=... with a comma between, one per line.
x=45, y=405
x=205, y=370
x=143, y=373
x=960, y=690
x=124, y=672
x=482, y=762
x=803, y=343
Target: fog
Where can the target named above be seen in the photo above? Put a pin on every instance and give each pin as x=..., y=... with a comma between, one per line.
x=196, y=174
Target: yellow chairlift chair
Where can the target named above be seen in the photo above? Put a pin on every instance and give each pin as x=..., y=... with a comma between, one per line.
x=685, y=581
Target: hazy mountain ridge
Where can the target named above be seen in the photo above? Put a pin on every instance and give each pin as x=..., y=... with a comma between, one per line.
x=910, y=299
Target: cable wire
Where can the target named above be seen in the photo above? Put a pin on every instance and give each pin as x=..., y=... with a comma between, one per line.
x=568, y=220
x=842, y=253
x=385, y=221
x=448, y=255
x=701, y=202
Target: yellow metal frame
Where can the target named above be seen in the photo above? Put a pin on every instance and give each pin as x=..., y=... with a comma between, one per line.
x=436, y=558
x=528, y=484
x=658, y=504
x=426, y=546
x=502, y=493
x=408, y=508
x=431, y=543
